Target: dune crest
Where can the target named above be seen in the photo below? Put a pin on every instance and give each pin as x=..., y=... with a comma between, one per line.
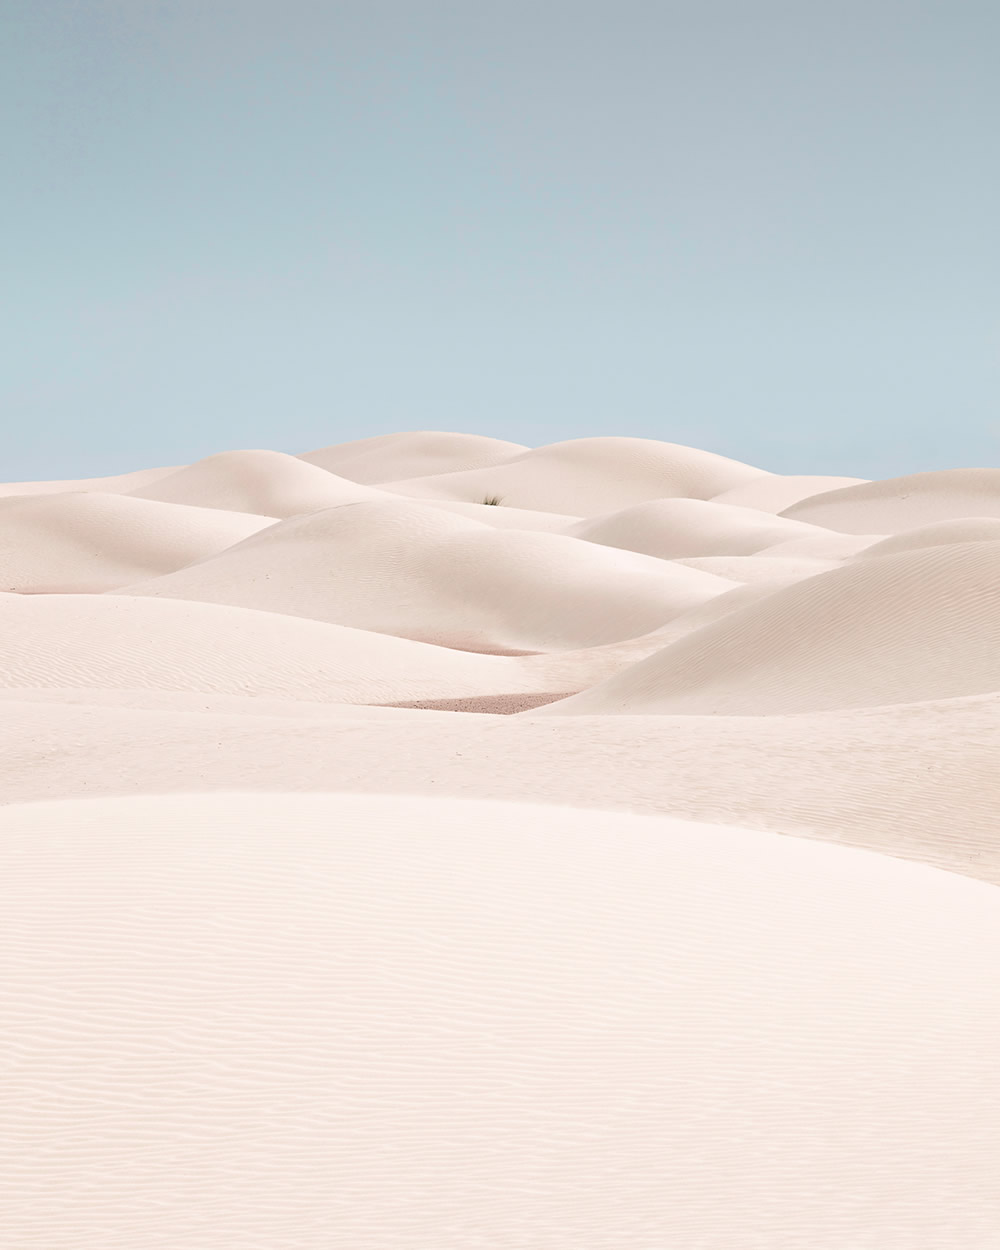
x=265, y=482
x=88, y=542
x=903, y=503
x=389, y=457
x=588, y=476
x=419, y=572
x=898, y=629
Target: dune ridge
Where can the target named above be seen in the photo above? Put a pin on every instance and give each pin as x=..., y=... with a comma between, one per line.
x=88, y=542
x=422, y=573
x=903, y=502
x=899, y=629
x=588, y=476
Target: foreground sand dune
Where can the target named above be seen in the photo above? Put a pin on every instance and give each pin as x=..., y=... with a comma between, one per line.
x=916, y=781
x=402, y=568
x=312, y=942
x=303, y=1021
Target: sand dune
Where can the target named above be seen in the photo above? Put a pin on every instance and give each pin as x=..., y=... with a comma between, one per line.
x=391, y=457
x=904, y=503
x=167, y=644
x=964, y=530
x=414, y=571
x=901, y=628
x=318, y=1020
x=267, y=483
x=668, y=919
x=776, y=570
x=825, y=545
x=774, y=492
x=587, y=476
x=122, y=483
x=503, y=517
x=674, y=529
x=915, y=781
x=91, y=542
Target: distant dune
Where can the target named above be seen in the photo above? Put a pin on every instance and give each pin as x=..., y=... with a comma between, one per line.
x=587, y=476
x=389, y=457
x=419, y=572
x=93, y=541
x=428, y=841
x=904, y=503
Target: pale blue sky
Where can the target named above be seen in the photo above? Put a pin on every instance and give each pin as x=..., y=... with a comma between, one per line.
x=769, y=229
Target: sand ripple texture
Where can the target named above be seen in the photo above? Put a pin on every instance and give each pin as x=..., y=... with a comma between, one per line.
x=429, y=841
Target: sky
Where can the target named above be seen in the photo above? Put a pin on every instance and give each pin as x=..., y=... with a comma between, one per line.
x=766, y=229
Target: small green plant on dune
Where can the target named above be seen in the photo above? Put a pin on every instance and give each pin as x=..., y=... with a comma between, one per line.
x=493, y=500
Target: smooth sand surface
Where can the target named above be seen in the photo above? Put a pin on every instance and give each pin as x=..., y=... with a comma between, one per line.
x=304, y=1021
x=962, y=530
x=613, y=865
x=265, y=482
x=773, y=492
x=675, y=528
x=903, y=503
x=88, y=542
x=121, y=483
x=389, y=457
x=403, y=568
x=588, y=476
x=898, y=629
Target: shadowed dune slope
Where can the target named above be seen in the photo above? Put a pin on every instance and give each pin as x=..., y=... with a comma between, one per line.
x=267, y=483
x=403, y=568
x=675, y=529
x=410, y=1020
x=901, y=628
x=390, y=457
x=904, y=503
x=588, y=476
x=91, y=542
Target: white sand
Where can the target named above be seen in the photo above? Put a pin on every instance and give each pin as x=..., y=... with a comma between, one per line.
x=403, y=568
x=306, y=947
x=88, y=542
x=389, y=457
x=903, y=503
x=588, y=476
x=675, y=528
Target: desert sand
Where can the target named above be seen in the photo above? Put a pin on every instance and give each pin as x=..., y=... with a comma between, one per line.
x=428, y=841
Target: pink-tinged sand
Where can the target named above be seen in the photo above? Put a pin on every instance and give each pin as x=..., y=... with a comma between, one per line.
x=612, y=864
